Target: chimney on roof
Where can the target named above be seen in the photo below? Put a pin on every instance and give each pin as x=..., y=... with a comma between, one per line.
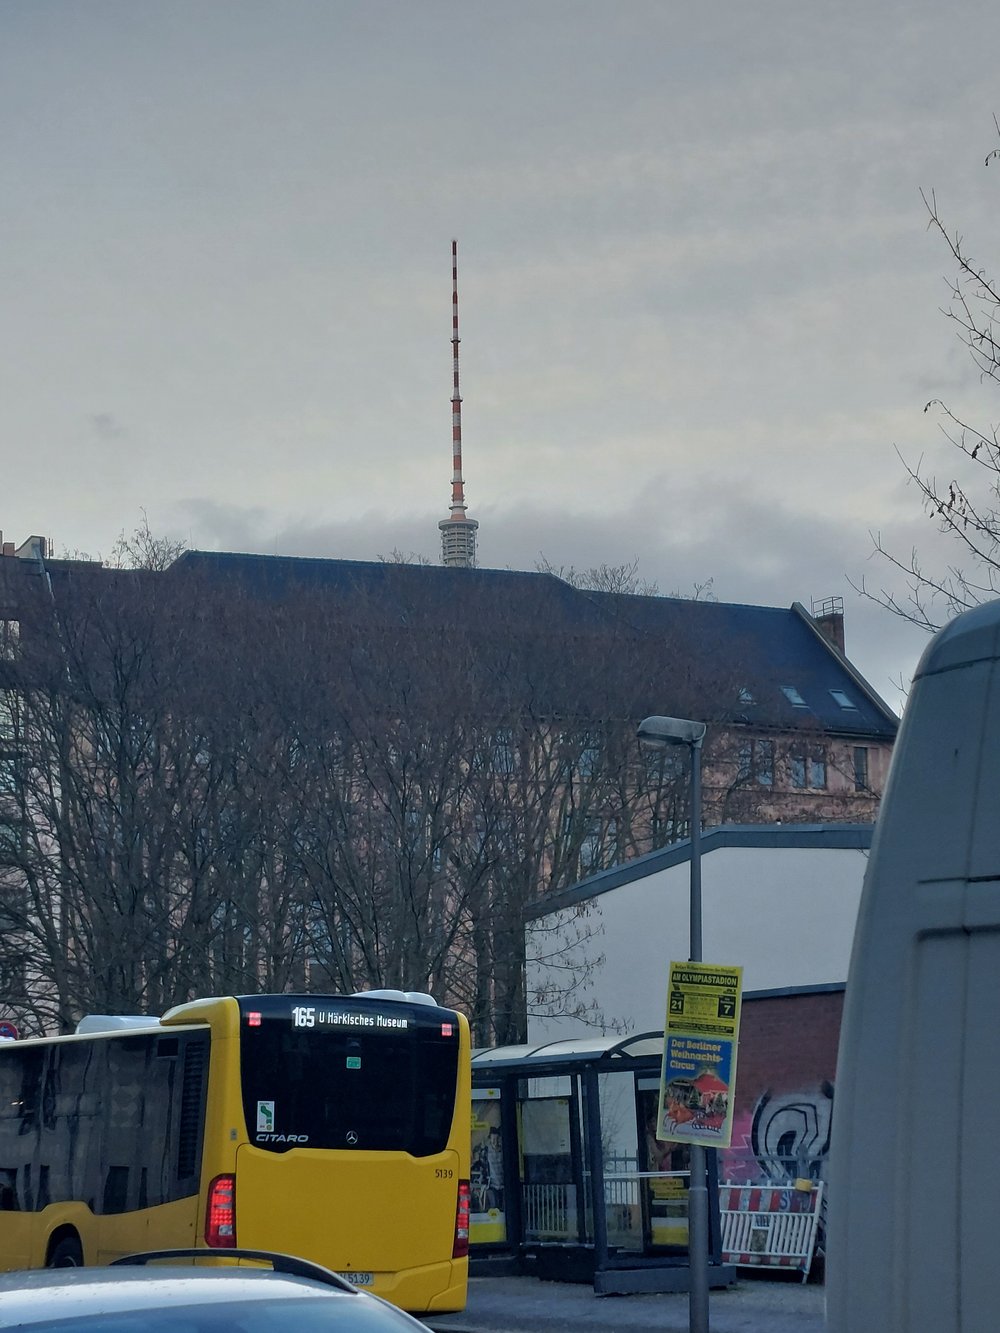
x=829, y=617
x=35, y=548
x=458, y=533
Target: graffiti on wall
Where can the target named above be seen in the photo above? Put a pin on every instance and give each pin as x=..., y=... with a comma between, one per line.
x=783, y=1136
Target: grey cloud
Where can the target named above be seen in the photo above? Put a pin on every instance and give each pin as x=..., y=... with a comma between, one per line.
x=106, y=426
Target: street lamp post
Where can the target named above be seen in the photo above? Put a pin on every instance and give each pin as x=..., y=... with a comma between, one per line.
x=657, y=733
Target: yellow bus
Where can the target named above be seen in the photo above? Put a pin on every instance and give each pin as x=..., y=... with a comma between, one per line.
x=335, y=1128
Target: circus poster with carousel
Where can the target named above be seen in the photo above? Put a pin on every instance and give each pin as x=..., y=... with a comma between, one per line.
x=698, y=1076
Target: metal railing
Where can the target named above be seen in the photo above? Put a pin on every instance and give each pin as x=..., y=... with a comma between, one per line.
x=549, y=1212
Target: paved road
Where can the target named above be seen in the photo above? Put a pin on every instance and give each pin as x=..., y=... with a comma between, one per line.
x=529, y=1305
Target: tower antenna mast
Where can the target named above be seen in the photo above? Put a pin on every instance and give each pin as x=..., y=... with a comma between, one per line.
x=458, y=532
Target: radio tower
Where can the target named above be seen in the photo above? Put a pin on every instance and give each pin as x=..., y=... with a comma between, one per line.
x=458, y=533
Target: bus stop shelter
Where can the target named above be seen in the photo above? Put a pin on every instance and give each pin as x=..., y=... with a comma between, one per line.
x=561, y=1125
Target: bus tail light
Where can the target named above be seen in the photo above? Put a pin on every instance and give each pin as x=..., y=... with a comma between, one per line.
x=220, y=1215
x=461, y=1247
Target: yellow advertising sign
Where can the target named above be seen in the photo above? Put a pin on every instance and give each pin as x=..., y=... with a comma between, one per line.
x=698, y=1074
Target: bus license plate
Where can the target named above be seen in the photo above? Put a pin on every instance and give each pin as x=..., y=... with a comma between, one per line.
x=359, y=1279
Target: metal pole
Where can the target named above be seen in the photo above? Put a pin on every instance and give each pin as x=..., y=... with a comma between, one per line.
x=659, y=731
x=695, y=852
x=698, y=1184
x=595, y=1161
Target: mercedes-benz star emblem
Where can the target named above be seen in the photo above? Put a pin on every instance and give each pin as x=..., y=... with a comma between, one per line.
x=352, y=1137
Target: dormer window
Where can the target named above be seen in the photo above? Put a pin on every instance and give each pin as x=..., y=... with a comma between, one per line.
x=844, y=700
x=746, y=695
x=793, y=696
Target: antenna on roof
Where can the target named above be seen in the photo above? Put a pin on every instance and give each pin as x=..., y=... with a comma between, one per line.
x=458, y=533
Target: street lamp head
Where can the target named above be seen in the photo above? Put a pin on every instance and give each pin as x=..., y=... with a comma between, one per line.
x=659, y=732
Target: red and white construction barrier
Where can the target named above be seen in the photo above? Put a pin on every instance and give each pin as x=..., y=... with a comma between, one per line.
x=769, y=1226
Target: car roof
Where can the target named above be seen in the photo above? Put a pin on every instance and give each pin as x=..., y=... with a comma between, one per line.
x=77, y=1292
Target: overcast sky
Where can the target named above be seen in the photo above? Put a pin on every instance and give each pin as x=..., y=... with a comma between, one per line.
x=700, y=305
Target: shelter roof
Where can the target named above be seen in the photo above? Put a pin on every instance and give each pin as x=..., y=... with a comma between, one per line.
x=576, y=1052
x=831, y=837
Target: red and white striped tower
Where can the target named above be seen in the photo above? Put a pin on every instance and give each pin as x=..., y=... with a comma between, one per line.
x=458, y=532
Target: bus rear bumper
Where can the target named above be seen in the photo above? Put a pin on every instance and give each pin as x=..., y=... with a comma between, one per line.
x=438, y=1288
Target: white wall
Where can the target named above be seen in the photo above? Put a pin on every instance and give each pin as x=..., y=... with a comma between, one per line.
x=785, y=914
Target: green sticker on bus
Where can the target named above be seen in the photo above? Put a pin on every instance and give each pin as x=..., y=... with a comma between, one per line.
x=354, y=1062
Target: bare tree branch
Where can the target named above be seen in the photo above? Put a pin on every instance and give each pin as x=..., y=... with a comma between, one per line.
x=965, y=506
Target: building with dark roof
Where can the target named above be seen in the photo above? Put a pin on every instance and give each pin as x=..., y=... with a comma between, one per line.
x=373, y=771
x=799, y=733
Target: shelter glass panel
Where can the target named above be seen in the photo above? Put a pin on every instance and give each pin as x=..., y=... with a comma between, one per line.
x=666, y=1175
x=488, y=1220
x=549, y=1196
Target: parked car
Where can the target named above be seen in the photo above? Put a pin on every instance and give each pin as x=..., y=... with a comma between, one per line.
x=168, y=1291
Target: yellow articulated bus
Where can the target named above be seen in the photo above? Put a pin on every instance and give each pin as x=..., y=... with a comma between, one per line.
x=335, y=1128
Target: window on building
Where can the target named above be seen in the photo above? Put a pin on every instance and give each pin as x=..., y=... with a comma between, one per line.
x=10, y=638
x=8, y=775
x=590, y=850
x=667, y=829
x=755, y=762
x=664, y=765
x=793, y=696
x=598, y=846
x=10, y=841
x=861, y=768
x=415, y=833
x=504, y=755
x=844, y=700
x=612, y=850
x=590, y=757
x=807, y=768
x=8, y=715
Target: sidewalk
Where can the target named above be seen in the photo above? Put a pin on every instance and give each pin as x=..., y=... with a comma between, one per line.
x=769, y=1304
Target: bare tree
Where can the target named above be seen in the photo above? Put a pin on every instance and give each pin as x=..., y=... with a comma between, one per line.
x=431, y=785
x=143, y=871
x=97, y=790
x=624, y=578
x=621, y=578
x=143, y=549
x=964, y=501
x=226, y=787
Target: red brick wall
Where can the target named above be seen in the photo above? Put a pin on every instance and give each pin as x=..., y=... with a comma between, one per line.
x=784, y=1087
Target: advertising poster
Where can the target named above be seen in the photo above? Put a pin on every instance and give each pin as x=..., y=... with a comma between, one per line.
x=667, y=1169
x=698, y=1075
x=487, y=1223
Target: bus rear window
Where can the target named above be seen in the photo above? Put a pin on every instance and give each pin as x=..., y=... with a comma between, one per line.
x=354, y=1074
